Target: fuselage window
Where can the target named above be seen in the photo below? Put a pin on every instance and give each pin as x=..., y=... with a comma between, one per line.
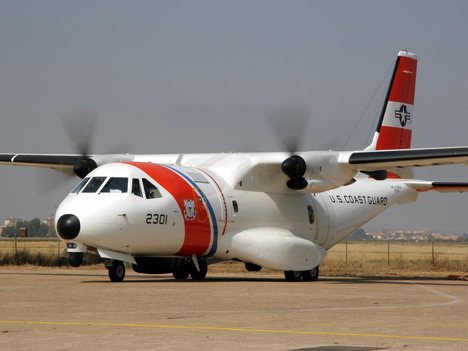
x=151, y=192
x=94, y=184
x=311, y=214
x=235, y=206
x=116, y=185
x=80, y=186
x=136, y=188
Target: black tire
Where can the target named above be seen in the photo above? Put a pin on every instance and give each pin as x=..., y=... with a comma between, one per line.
x=181, y=273
x=116, y=271
x=293, y=276
x=311, y=275
x=198, y=275
x=75, y=259
x=251, y=267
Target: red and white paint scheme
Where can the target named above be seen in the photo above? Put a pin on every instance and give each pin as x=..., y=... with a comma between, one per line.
x=179, y=213
x=394, y=130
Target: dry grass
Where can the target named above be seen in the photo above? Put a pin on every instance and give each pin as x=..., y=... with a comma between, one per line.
x=406, y=259
x=39, y=252
x=44, y=246
x=397, y=259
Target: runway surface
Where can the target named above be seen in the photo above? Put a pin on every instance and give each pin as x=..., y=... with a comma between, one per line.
x=79, y=309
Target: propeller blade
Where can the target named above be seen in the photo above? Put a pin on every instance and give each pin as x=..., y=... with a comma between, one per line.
x=289, y=124
x=81, y=128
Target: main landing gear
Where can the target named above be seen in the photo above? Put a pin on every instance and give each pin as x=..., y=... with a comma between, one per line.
x=297, y=276
x=116, y=270
x=189, y=267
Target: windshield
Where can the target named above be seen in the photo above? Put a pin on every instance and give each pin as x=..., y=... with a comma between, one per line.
x=94, y=184
x=80, y=186
x=116, y=185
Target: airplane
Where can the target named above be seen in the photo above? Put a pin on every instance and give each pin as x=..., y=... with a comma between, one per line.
x=179, y=213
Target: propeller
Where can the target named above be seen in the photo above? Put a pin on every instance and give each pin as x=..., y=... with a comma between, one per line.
x=81, y=128
x=289, y=123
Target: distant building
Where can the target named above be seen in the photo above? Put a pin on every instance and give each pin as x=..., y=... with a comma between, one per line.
x=9, y=222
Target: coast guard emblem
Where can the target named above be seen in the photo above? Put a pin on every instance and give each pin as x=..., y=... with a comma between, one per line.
x=189, y=212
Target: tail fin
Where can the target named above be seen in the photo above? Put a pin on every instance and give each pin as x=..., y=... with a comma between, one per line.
x=394, y=127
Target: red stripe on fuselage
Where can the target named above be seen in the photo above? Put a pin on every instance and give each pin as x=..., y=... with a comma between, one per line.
x=198, y=230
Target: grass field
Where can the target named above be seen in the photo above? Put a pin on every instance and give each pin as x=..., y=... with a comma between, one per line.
x=356, y=258
x=397, y=258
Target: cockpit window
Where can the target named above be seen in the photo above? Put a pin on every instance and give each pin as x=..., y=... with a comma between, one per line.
x=151, y=192
x=136, y=188
x=94, y=184
x=116, y=185
x=80, y=186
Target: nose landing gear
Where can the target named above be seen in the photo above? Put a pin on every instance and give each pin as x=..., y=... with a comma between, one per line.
x=75, y=259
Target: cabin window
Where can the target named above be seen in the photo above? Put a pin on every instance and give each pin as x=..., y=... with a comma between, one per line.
x=310, y=212
x=80, y=186
x=136, y=188
x=151, y=192
x=116, y=185
x=235, y=206
x=94, y=184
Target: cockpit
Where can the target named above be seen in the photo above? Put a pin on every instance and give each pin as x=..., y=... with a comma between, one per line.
x=141, y=187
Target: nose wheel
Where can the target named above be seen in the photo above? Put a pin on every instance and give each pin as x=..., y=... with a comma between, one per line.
x=75, y=259
x=116, y=271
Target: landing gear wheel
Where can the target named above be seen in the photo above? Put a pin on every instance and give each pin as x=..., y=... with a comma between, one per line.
x=310, y=275
x=180, y=273
x=116, y=271
x=75, y=259
x=293, y=276
x=198, y=275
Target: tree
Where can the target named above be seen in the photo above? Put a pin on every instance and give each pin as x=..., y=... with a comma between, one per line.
x=359, y=234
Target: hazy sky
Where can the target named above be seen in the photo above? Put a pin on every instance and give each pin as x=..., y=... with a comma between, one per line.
x=200, y=76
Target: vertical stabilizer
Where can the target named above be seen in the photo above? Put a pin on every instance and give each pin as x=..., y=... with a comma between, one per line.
x=394, y=127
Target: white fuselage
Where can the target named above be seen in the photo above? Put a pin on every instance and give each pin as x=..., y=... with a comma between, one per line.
x=207, y=207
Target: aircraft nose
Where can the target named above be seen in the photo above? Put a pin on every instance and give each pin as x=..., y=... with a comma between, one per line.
x=68, y=226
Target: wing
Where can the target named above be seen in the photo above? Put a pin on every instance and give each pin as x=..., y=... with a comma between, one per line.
x=402, y=158
x=70, y=164
x=317, y=171
x=62, y=163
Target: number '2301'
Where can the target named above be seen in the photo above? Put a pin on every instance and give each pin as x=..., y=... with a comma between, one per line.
x=156, y=218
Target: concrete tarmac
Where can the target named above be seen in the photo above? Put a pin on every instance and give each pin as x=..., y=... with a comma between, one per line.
x=79, y=309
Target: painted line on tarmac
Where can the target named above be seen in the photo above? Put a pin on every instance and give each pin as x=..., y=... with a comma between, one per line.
x=232, y=329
